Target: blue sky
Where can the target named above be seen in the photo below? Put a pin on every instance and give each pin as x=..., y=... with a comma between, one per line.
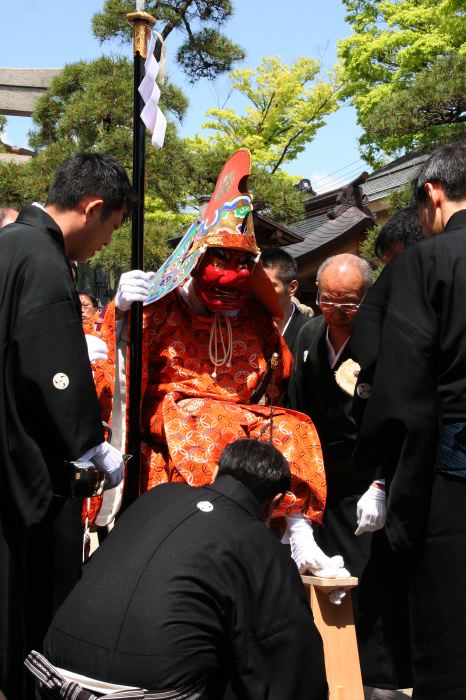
x=51, y=33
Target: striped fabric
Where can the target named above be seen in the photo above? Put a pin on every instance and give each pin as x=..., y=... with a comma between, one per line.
x=452, y=450
x=54, y=685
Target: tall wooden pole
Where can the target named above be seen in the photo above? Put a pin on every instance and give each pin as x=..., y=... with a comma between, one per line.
x=141, y=23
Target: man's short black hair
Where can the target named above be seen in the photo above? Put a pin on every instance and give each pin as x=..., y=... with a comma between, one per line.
x=279, y=259
x=258, y=465
x=91, y=174
x=403, y=227
x=447, y=166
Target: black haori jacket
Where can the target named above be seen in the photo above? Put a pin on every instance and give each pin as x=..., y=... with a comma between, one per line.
x=49, y=408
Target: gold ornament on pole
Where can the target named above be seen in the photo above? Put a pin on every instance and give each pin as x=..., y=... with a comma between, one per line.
x=141, y=23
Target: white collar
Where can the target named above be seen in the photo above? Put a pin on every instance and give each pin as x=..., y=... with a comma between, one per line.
x=333, y=357
x=293, y=309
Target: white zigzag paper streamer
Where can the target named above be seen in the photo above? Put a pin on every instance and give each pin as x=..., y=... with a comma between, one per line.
x=152, y=116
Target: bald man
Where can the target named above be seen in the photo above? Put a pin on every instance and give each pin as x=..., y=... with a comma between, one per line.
x=322, y=346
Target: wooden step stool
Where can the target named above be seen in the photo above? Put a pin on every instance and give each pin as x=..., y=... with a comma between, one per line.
x=336, y=626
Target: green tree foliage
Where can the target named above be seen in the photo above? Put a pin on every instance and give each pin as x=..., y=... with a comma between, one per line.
x=205, y=52
x=276, y=196
x=2, y=127
x=366, y=249
x=286, y=105
x=160, y=225
x=23, y=183
x=273, y=194
x=393, y=42
x=89, y=107
x=401, y=198
x=426, y=113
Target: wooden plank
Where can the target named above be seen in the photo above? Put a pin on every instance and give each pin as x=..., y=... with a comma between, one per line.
x=336, y=626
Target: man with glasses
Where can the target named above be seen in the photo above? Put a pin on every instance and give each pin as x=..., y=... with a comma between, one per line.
x=322, y=347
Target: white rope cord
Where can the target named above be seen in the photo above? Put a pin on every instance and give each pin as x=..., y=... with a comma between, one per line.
x=216, y=337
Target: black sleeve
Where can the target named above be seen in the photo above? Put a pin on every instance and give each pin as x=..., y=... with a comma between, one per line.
x=399, y=430
x=54, y=388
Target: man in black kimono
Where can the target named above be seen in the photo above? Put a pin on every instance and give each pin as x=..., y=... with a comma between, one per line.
x=192, y=593
x=282, y=270
x=323, y=346
x=49, y=410
x=414, y=424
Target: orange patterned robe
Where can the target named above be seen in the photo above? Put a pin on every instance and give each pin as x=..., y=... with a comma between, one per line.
x=102, y=324
x=188, y=417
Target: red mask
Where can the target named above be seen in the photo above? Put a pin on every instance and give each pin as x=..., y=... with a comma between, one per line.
x=222, y=278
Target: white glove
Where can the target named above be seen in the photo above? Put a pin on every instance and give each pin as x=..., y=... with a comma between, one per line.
x=133, y=286
x=96, y=348
x=371, y=509
x=307, y=554
x=111, y=504
x=109, y=460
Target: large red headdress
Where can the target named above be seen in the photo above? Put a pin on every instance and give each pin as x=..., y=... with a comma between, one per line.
x=226, y=223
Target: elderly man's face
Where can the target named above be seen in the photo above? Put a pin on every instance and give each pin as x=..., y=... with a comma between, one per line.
x=341, y=289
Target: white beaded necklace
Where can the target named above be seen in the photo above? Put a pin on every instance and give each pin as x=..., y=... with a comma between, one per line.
x=216, y=336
